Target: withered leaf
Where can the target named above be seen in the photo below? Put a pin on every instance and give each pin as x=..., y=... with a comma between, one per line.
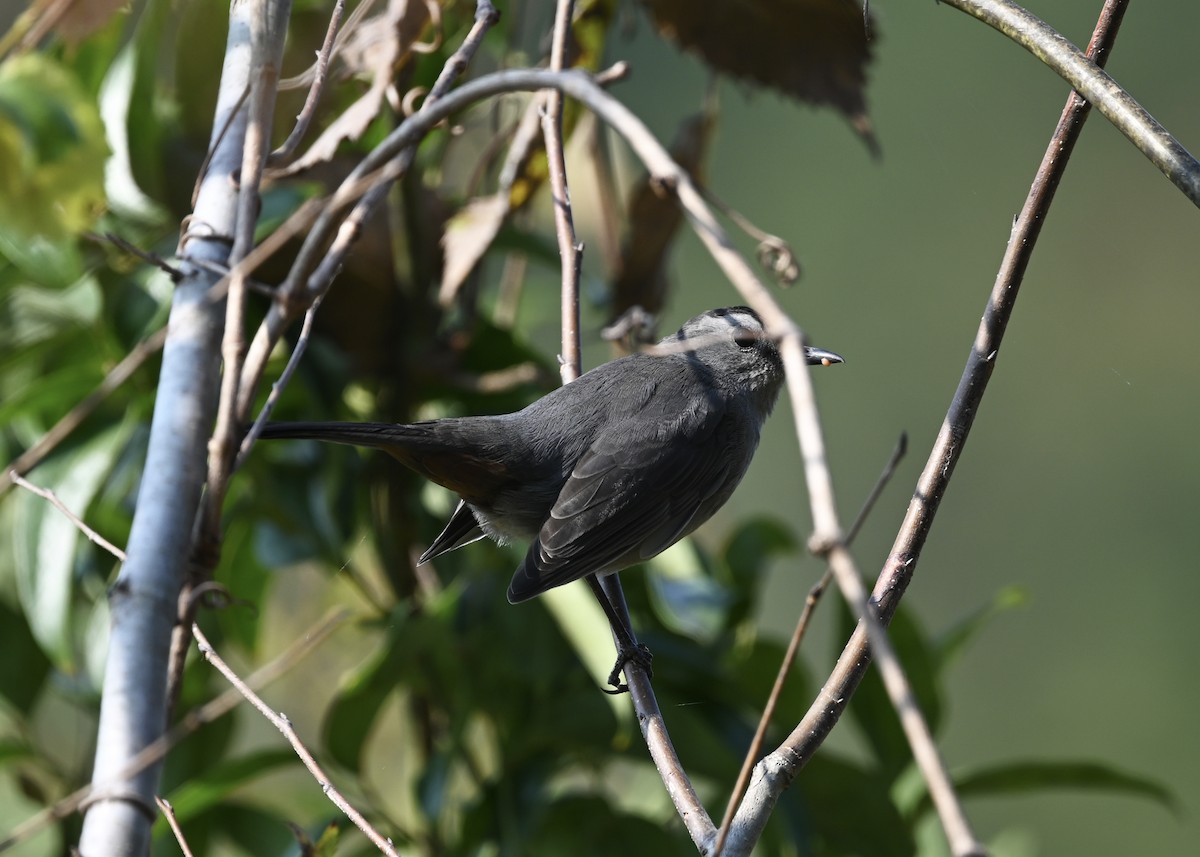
x=375, y=47
x=654, y=220
x=468, y=235
x=813, y=50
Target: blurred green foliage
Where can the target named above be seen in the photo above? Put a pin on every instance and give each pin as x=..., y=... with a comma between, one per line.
x=457, y=723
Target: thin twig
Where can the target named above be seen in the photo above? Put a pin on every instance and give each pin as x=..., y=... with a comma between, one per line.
x=569, y=249
x=280, y=722
x=46, y=494
x=320, y=75
x=277, y=388
x=1083, y=72
x=223, y=445
x=897, y=573
x=168, y=812
x=315, y=266
x=885, y=477
x=189, y=723
x=129, y=247
x=789, y=657
x=773, y=252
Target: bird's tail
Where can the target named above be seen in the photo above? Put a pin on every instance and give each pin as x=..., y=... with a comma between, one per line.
x=378, y=435
x=455, y=453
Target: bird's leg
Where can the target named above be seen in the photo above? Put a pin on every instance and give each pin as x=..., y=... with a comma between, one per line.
x=629, y=650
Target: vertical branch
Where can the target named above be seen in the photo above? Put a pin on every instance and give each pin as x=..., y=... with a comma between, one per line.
x=650, y=719
x=317, y=263
x=143, y=599
x=564, y=223
x=267, y=37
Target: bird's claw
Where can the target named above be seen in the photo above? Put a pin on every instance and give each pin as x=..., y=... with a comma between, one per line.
x=637, y=654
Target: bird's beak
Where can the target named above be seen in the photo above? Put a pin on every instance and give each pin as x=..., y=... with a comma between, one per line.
x=819, y=356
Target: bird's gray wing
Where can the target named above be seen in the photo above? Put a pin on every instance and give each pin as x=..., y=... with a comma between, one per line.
x=633, y=493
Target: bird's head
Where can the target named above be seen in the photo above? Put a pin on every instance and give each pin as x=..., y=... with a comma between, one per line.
x=733, y=341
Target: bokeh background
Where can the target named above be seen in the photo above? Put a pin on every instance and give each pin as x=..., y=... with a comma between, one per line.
x=1080, y=479
x=1078, y=489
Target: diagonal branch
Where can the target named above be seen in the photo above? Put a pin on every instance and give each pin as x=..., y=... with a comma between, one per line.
x=777, y=770
x=1086, y=77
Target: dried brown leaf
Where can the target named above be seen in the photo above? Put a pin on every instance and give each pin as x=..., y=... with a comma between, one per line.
x=468, y=235
x=813, y=50
x=375, y=48
x=72, y=20
x=654, y=220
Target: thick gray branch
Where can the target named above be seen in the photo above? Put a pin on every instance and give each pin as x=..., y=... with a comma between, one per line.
x=143, y=600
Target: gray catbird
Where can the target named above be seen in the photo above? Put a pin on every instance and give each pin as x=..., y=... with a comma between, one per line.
x=604, y=472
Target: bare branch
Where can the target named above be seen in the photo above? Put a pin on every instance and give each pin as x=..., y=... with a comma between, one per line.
x=1083, y=72
x=134, y=703
x=46, y=494
x=320, y=75
x=777, y=770
x=267, y=35
x=789, y=657
x=280, y=722
x=280, y=383
x=168, y=812
x=187, y=724
x=564, y=222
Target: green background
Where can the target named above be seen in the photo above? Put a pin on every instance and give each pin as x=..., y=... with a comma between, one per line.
x=1079, y=481
x=1078, y=484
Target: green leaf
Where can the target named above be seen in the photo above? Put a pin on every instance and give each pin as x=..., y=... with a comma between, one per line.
x=353, y=711
x=327, y=843
x=45, y=541
x=849, y=809
x=1023, y=778
x=33, y=314
x=744, y=561
x=684, y=594
x=24, y=667
x=950, y=645
x=52, y=143
x=871, y=709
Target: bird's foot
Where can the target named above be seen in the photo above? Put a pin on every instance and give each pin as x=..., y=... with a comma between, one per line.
x=638, y=654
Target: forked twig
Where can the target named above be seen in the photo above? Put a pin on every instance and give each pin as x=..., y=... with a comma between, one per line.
x=789, y=657
x=779, y=767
